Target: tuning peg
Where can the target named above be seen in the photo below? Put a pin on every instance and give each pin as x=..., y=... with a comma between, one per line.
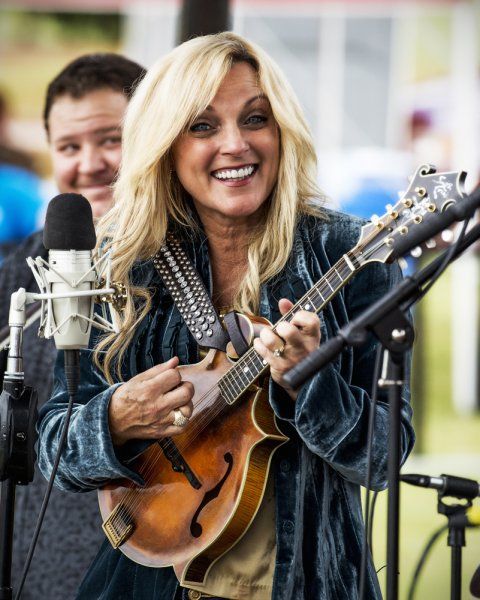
x=431, y=207
x=403, y=230
x=407, y=202
x=390, y=210
x=375, y=219
x=447, y=236
x=417, y=219
x=431, y=244
x=421, y=191
x=416, y=252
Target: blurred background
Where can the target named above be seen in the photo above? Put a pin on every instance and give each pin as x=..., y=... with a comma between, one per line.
x=386, y=86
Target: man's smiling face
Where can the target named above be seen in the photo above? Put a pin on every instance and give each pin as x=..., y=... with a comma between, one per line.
x=85, y=142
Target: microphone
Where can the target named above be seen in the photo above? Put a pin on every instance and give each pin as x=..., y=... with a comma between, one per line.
x=71, y=280
x=69, y=236
x=449, y=485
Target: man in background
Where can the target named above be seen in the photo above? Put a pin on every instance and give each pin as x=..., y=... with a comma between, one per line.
x=83, y=114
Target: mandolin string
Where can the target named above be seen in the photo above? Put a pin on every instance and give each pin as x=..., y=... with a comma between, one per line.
x=209, y=414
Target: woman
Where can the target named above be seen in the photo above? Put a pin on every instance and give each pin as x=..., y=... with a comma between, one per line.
x=216, y=147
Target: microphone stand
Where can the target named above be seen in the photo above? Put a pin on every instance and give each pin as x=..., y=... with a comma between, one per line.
x=18, y=415
x=387, y=320
x=457, y=487
x=456, y=541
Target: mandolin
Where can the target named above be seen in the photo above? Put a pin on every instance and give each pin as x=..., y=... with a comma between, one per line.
x=204, y=487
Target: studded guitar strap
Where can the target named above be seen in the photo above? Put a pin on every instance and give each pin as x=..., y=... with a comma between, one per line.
x=189, y=294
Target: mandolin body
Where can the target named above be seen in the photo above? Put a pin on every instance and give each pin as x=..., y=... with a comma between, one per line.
x=189, y=522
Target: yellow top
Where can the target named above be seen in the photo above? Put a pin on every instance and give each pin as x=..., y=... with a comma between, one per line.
x=246, y=571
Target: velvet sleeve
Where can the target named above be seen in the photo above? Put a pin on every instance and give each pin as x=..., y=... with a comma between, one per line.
x=89, y=458
x=332, y=409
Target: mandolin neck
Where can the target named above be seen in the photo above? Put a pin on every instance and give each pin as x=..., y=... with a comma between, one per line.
x=251, y=365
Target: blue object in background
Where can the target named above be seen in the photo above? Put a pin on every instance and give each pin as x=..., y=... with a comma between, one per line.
x=371, y=198
x=21, y=206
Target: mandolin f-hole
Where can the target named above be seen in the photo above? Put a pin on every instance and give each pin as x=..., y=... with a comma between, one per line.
x=195, y=528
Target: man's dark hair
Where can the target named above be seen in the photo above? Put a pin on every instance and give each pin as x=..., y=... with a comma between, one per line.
x=90, y=73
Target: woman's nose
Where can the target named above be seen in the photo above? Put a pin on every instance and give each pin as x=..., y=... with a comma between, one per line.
x=234, y=141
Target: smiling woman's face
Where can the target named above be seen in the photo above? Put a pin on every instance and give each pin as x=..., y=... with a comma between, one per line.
x=228, y=159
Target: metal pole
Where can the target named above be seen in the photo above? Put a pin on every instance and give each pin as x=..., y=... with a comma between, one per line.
x=203, y=17
x=396, y=376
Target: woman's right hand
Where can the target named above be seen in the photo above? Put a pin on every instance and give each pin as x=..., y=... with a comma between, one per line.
x=142, y=408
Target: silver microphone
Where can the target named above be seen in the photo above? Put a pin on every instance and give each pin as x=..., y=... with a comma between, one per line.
x=71, y=279
x=70, y=272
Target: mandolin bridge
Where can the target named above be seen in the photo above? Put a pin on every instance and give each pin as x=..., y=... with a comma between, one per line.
x=119, y=526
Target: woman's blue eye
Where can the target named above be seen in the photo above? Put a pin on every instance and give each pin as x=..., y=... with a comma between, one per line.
x=200, y=127
x=256, y=119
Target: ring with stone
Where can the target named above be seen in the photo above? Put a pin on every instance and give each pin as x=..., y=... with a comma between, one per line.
x=279, y=351
x=180, y=419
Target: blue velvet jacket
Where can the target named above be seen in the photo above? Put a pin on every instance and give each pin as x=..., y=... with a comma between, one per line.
x=317, y=474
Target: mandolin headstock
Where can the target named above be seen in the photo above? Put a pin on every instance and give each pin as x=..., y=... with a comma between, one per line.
x=428, y=194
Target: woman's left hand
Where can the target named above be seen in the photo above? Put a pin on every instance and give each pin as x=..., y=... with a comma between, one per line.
x=290, y=343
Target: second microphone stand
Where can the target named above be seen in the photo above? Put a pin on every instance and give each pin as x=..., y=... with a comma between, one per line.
x=456, y=541
x=18, y=415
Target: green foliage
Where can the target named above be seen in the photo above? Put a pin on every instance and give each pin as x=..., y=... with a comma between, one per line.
x=48, y=29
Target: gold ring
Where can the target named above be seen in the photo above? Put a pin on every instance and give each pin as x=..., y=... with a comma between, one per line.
x=279, y=351
x=180, y=419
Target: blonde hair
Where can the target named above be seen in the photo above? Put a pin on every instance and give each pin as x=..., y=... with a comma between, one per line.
x=147, y=195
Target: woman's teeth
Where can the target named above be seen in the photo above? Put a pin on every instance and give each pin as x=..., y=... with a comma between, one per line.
x=235, y=174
